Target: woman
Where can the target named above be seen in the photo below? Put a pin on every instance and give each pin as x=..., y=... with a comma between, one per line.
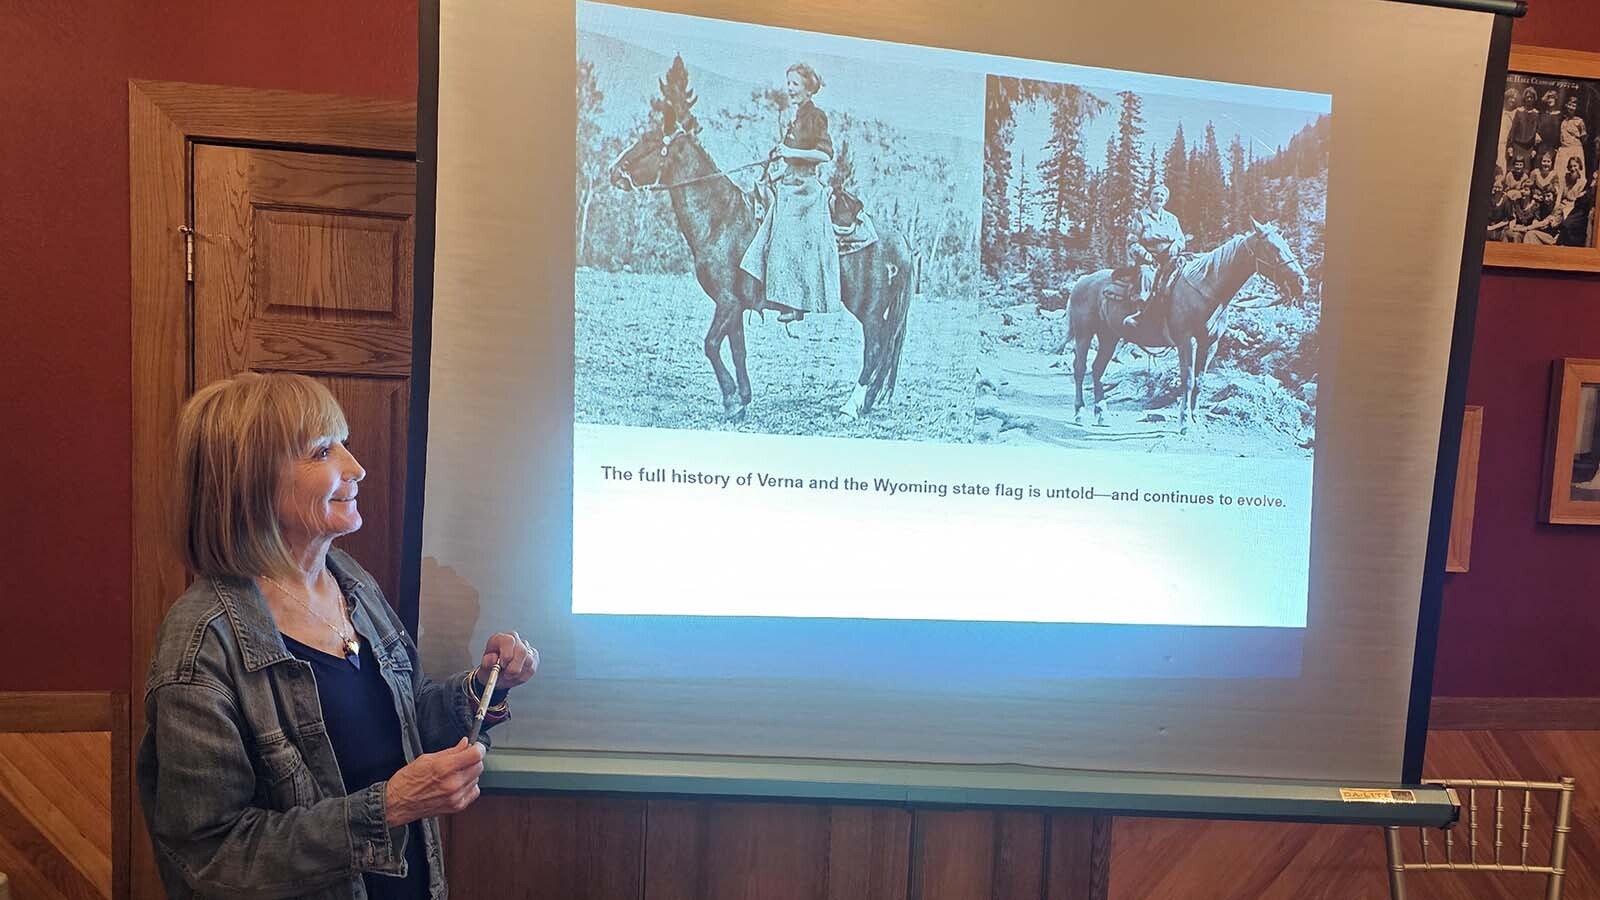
x=793, y=253
x=1509, y=110
x=1574, y=134
x=1576, y=199
x=1524, y=130
x=1499, y=211
x=292, y=746
x=1548, y=139
x=1574, y=184
x=1157, y=237
x=1551, y=214
x=1546, y=178
x=1518, y=182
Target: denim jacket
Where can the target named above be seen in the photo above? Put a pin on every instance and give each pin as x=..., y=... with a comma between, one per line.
x=238, y=780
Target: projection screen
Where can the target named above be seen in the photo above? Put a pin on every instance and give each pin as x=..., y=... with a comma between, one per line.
x=752, y=395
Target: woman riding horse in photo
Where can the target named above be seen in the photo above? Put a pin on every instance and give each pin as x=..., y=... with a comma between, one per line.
x=793, y=254
x=1157, y=239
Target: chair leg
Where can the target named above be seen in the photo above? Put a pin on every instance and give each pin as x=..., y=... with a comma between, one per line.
x=1558, y=847
x=1397, y=869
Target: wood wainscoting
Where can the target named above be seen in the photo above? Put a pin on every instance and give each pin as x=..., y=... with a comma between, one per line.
x=635, y=848
x=64, y=794
x=64, y=827
x=612, y=847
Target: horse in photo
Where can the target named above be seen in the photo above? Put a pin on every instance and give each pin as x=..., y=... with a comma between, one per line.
x=717, y=220
x=1200, y=291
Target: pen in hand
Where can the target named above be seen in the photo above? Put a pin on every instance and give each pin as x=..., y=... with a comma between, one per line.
x=483, y=703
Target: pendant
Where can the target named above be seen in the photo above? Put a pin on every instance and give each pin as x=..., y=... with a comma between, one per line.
x=352, y=652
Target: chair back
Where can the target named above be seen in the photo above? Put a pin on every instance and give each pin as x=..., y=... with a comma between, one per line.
x=1510, y=802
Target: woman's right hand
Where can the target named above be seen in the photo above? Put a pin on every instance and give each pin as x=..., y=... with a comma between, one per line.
x=434, y=784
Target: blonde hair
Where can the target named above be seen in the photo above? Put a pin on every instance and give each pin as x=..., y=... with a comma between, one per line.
x=809, y=79
x=236, y=438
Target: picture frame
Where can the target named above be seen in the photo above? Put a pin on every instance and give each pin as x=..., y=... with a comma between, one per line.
x=1458, y=558
x=1572, y=450
x=1534, y=222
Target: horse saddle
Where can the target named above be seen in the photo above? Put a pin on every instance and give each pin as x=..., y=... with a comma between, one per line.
x=1128, y=279
x=853, y=229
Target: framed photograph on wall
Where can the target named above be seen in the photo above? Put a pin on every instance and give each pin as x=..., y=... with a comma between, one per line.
x=1572, y=460
x=1542, y=205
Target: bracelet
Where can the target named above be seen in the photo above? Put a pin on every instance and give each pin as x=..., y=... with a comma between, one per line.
x=474, y=698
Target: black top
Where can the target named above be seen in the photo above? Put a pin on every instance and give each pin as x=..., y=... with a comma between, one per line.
x=358, y=710
x=809, y=130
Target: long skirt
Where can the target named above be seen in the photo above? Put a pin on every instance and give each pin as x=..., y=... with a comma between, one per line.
x=794, y=254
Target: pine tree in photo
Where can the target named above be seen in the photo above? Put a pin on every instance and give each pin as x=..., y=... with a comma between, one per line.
x=1099, y=239
x=1124, y=158
x=999, y=126
x=1238, y=205
x=1176, y=170
x=1115, y=197
x=1255, y=202
x=1063, y=173
x=1152, y=173
x=1019, y=216
x=1206, y=208
x=1064, y=209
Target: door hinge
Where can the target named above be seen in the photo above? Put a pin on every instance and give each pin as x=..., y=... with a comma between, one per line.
x=188, y=252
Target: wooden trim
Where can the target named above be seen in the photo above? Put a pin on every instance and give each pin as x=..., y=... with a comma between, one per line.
x=1533, y=256
x=35, y=711
x=250, y=115
x=1458, y=558
x=1515, y=714
x=165, y=120
x=1531, y=60
x=158, y=163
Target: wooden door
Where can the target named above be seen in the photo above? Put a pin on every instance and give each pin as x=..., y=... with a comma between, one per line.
x=302, y=263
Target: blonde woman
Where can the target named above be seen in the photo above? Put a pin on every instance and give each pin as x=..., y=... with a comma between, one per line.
x=793, y=253
x=293, y=747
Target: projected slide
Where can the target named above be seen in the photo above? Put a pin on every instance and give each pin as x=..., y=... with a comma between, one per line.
x=866, y=331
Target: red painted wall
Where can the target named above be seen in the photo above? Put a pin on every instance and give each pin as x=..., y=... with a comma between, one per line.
x=1523, y=622
x=65, y=508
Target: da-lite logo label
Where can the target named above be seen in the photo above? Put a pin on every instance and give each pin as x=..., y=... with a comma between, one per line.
x=1376, y=795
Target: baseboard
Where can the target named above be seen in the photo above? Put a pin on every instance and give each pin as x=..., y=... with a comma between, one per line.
x=1514, y=714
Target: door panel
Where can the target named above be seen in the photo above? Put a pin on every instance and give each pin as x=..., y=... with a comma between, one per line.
x=303, y=264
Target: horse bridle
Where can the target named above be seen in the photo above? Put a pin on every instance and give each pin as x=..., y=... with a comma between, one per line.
x=1277, y=267
x=667, y=141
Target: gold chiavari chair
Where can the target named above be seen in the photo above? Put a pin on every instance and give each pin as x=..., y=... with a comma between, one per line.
x=1481, y=857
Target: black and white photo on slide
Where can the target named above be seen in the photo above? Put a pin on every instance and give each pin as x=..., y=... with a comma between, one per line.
x=1151, y=269
x=1544, y=186
x=772, y=238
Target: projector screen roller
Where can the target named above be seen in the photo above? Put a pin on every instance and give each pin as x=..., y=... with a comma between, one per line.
x=794, y=389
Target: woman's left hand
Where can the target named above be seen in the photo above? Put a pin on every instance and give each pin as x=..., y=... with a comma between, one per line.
x=518, y=660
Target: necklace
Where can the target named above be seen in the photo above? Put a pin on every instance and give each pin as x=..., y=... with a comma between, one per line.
x=352, y=647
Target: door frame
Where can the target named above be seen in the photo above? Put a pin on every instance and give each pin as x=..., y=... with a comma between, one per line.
x=165, y=121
